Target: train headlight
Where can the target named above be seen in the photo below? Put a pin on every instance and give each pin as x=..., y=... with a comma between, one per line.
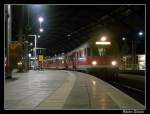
x=114, y=63
x=94, y=63
x=19, y=63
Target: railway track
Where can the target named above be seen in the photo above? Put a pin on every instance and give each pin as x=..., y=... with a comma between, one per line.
x=135, y=93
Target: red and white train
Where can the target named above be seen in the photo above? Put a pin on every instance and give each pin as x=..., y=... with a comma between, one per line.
x=86, y=56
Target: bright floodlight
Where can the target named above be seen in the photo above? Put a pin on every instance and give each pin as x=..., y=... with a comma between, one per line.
x=41, y=19
x=103, y=38
x=38, y=36
x=140, y=33
x=123, y=38
x=41, y=30
x=103, y=43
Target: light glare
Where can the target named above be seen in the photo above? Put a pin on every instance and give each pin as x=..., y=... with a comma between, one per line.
x=41, y=19
x=93, y=82
x=123, y=38
x=29, y=55
x=103, y=38
x=114, y=63
x=140, y=33
x=41, y=30
x=94, y=63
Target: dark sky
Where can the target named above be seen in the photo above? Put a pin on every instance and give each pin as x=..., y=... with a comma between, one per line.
x=80, y=21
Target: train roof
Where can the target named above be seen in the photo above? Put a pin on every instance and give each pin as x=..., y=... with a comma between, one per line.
x=83, y=46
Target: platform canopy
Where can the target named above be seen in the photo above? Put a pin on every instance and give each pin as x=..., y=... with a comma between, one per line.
x=68, y=26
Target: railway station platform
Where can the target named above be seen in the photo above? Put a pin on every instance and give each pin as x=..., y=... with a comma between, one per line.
x=63, y=90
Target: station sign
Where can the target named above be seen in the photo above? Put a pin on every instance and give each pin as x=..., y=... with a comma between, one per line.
x=41, y=57
x=13, y=46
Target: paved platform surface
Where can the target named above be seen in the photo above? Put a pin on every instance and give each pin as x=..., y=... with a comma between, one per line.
x=58, y=89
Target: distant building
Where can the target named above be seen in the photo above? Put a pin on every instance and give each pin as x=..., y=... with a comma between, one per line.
x=126, y=62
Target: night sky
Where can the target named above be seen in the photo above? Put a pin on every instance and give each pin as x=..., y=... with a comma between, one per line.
x=80, y=22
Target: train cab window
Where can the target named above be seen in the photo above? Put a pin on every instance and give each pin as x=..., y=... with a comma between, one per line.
x=77, y=55
x=101, y=51
x=88, y=52
x=95, y=52
x=85, y=51
x=82, y=53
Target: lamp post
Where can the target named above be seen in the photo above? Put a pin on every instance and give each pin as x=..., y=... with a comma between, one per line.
x=133, y=43
x=132, y=52
x=35, y=40
x=29, y=60
x=140, y=34
x=8, y=36
x=41, y=20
